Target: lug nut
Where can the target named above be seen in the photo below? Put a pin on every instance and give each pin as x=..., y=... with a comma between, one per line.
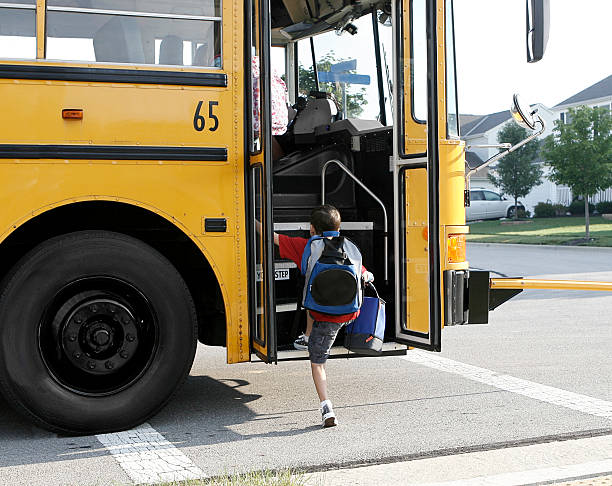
x=78, y=320
x=94, y=308
x=130, y=337
x=72, y=337
x=91, y=365
x=124, y=354
x=109, y=365
x=125, y=320
x=77, y=355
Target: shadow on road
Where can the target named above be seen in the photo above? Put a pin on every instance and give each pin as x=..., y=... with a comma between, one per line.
x=202, y=413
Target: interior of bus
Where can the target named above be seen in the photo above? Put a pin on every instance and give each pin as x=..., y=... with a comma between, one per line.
x=339, y=138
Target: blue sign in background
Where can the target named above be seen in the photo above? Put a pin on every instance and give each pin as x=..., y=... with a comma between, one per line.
x=344, y=66
x=331, y=77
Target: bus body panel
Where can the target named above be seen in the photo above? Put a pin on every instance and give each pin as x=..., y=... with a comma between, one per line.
x=30, y=189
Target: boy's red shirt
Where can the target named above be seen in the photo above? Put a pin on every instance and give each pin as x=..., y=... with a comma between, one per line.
x=292, y=248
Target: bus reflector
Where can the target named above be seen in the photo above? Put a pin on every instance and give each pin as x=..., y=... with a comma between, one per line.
x=72, y=114
x=456, y=248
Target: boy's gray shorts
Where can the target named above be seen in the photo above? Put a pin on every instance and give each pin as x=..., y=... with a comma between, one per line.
x=321, y=339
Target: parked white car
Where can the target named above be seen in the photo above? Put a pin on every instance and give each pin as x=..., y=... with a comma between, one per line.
x=486, y=204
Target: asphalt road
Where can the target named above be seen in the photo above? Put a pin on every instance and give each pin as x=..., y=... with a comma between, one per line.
x=254, y=416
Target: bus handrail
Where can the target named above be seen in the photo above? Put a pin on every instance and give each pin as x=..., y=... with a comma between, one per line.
x=366, y=189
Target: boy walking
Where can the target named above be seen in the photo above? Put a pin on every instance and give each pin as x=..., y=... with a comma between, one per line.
x=322, y=329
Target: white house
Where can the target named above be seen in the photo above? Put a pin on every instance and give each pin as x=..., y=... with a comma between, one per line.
x=482, y=130
x=600, y=95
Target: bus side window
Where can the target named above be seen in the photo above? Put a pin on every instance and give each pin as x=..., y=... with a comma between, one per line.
x=119, y=40
x=18, y=29
x=177, y=33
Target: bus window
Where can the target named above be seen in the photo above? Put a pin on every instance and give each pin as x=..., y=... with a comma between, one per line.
x=361, y=95
x=277, y=55
x=305, y=81
x=418, y=61
x=18, y=29
x=385, y=33
x=180, y=33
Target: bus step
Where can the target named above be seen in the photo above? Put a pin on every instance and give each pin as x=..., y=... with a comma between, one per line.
x=339, y=352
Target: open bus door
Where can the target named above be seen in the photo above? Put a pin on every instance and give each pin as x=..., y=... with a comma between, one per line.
x=257, y=83
x=416, y=174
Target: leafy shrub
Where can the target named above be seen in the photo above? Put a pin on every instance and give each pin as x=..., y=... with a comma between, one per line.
x=604, y=207
x=560, y=209
x=576, y=208
x=544, y=210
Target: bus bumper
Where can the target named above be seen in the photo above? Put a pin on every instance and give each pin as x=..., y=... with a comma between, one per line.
x=468, y=297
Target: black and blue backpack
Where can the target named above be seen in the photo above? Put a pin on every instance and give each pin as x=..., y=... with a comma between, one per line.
x=332, y=271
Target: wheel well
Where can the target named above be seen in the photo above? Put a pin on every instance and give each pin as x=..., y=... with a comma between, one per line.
x=138, y=223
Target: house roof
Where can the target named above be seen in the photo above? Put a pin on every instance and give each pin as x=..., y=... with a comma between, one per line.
x=464, y=119
x=601, y=89
x=473, y=159
x=484, y=123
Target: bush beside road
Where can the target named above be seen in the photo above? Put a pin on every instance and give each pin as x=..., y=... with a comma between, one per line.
x=543, y=231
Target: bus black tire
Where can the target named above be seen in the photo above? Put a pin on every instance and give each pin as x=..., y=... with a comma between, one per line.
x=97, y=331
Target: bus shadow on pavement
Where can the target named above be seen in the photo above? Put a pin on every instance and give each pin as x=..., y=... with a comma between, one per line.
x=201, y=413
x=205, y=410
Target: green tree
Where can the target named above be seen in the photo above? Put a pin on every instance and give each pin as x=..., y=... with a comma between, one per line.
x=580, y=153
x=517, y=173
x=306, y=83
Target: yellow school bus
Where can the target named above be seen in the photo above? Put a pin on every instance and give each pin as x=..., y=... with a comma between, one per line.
x=135, y=158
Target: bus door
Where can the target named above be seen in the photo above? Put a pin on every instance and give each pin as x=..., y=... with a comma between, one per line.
x=416, y=173
x=258, y=108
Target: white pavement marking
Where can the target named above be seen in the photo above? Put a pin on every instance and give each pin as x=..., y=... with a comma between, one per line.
x=147, y=457
x=537, y=391
x=536, y=476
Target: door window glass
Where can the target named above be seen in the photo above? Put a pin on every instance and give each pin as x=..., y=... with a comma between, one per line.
x=18, y=29
x=259, y=260
x=476, y=196
x=180, y=33
x=385, y=33
x=491, y=196
x=452, y=119
x=254, y=82
x=418, y=60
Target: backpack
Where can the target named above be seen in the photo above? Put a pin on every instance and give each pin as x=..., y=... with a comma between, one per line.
x=332, y=271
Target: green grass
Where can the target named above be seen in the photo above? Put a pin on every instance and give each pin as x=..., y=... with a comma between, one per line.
x=255, y=478
x=544, y=231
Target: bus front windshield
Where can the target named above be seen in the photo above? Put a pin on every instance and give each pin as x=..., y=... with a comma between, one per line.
x=347, y=68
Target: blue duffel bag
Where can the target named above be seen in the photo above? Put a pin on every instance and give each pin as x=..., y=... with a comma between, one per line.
x=365, y=335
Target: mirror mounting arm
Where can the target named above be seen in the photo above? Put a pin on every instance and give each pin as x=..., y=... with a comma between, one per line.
x=498, y=156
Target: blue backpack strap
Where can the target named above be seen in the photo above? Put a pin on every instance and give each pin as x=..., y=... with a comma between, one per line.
x=331, y=233
x=306, y=254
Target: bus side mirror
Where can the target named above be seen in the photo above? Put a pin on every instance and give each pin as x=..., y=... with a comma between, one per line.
x=538, y=21
x=522, y=113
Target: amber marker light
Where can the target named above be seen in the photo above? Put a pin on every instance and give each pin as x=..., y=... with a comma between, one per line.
x=455, y=248
x=72, y=114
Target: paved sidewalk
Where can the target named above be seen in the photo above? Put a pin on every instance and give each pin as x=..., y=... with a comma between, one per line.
x=573, y=462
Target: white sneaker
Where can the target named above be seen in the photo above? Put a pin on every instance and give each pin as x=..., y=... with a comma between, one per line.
x=301, y=343
x=327, y=414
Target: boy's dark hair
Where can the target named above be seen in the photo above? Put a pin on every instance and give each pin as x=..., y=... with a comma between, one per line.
x=325, y=218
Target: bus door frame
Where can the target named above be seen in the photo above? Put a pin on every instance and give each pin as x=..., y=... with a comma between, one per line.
x=259, y=185
x=405, y=159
